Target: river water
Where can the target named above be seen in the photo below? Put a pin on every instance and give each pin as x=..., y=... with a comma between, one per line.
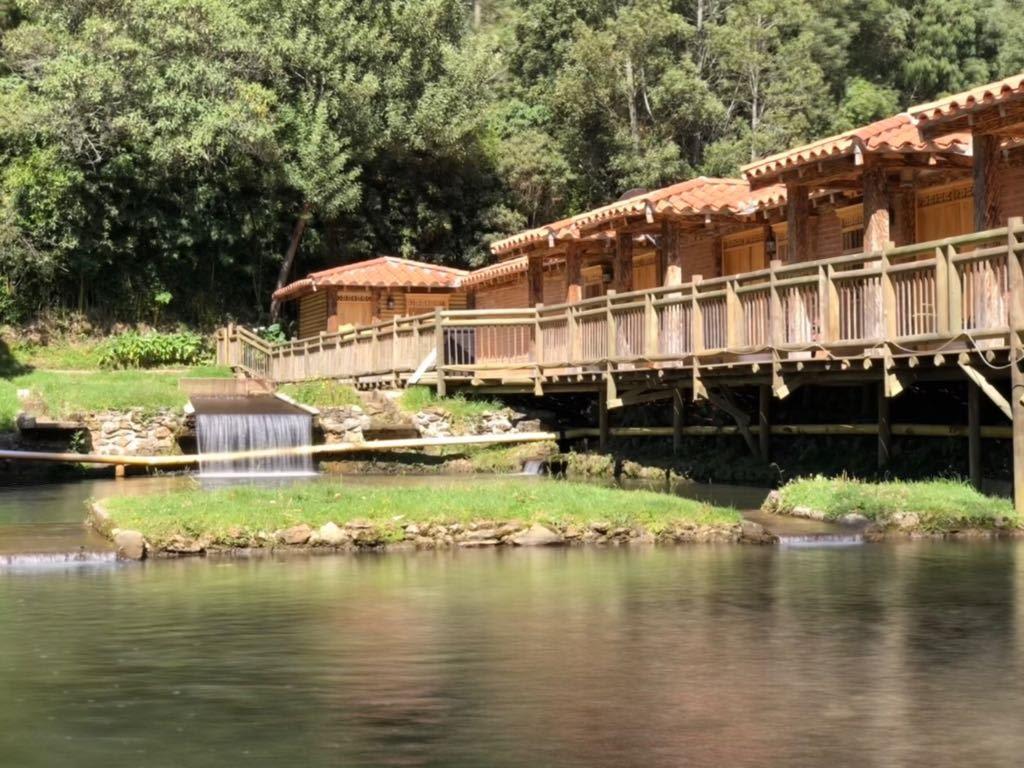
x=879, y=655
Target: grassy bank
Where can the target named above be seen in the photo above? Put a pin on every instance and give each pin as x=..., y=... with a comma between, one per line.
x=62, y=394
x=223, y=515
x=935, y=506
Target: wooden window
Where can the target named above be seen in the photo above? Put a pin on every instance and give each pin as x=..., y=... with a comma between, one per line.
x=945, y=211
x=354, y=309
x=851, y=224
x=743, y=252
x=422, y=303
x=312, y=314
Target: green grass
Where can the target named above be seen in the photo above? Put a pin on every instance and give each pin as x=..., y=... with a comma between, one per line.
x=322, y=394
x=66, y=394
x=941, y=505
x=60, y=355
x=462, y=409
x=221, y=514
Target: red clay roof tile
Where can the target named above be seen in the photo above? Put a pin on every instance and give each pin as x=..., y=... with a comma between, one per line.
x=381, y=272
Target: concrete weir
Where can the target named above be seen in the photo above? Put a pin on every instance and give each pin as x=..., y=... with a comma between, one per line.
x=232, y=424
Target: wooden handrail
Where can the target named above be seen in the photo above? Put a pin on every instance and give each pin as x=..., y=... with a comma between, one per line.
x=904, y=293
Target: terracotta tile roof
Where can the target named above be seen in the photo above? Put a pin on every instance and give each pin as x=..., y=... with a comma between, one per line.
x=959, y=104
x=497, y=271
x=893, y=134
x=695, y=197
x=381, y=272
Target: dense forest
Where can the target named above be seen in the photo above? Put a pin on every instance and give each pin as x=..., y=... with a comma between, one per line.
x=159, y=156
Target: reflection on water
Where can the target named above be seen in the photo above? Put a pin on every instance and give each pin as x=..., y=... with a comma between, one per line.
x=881, y=655
x=700, y=656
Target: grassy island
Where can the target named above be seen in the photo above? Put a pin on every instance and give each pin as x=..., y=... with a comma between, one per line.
x=928, y=507
x=331, y=514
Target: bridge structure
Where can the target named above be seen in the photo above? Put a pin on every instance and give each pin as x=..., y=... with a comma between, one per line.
x=947, y=310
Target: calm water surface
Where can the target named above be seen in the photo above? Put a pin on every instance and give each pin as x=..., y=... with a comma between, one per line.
x=895, y=655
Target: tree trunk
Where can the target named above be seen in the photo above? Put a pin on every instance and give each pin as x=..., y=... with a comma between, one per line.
x=478, y=13
x=289, y=260
x=634, y=121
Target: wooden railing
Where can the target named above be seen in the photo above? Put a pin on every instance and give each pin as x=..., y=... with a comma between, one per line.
x=911, y=294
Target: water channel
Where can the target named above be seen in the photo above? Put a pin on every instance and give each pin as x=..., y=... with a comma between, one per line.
x=875, y=655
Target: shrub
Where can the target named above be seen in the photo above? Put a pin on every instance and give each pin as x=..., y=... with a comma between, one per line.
x=135, y=350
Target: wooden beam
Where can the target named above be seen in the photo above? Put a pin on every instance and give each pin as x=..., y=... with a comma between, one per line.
x=974, y=433
x=990, y=391
x=573, y=274
x=602, y=418
x=764, y=421
x=724, y=401
x=678, y=414
x=623, y=263
x=884, y=429
x=986, y=182
x=671, y=254
x=798, y=222
x=876, y=210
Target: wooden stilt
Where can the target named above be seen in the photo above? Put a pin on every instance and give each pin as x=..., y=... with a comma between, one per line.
x=1016, y=313
x=602, y=418
x=119, y=470
x=974, y=433
x=764, y=421
x=677, y=422
x=884, y=429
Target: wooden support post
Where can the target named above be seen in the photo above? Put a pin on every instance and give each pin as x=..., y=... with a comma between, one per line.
x=439, y=357
x=651, y=342
x=623, y=263
x=986, y=181
x=974, y=433
x=764, y=421
x=776, y=322
x=602, y=418
x=535, y=268
x=884, y=429
x=573, y=273
x=798, y=211
x=671, y=246
x=1016, y=312
x=876, y=210
x=678, y=415
x=119, y=471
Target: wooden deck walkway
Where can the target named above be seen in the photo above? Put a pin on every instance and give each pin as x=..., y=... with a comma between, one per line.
x=931, y=311
x=889, y=315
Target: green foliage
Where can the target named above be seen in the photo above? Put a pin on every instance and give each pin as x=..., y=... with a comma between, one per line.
x=274, y=333
x=322, y=394
x=166, y=148
x=942, y=505
x=215, y=514
x=136, y=350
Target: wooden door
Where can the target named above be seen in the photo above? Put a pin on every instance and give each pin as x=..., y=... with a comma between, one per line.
x=354, y=309
x=945, y=212
x=645, y=272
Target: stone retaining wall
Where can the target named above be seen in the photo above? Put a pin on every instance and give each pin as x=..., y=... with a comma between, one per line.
x=134, y=432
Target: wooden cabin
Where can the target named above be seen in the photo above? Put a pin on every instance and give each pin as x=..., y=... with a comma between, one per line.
x=898, y=181
x=372, y=291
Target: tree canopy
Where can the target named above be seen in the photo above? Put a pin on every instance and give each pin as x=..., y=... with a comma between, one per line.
x=166, y=148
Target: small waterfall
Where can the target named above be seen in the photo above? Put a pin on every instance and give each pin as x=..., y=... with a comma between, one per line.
x=821, y=540
x=533, y=467
x=31, y=561
x=231, y=432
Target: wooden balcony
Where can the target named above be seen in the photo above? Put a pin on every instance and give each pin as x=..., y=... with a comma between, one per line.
x=895, y=314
